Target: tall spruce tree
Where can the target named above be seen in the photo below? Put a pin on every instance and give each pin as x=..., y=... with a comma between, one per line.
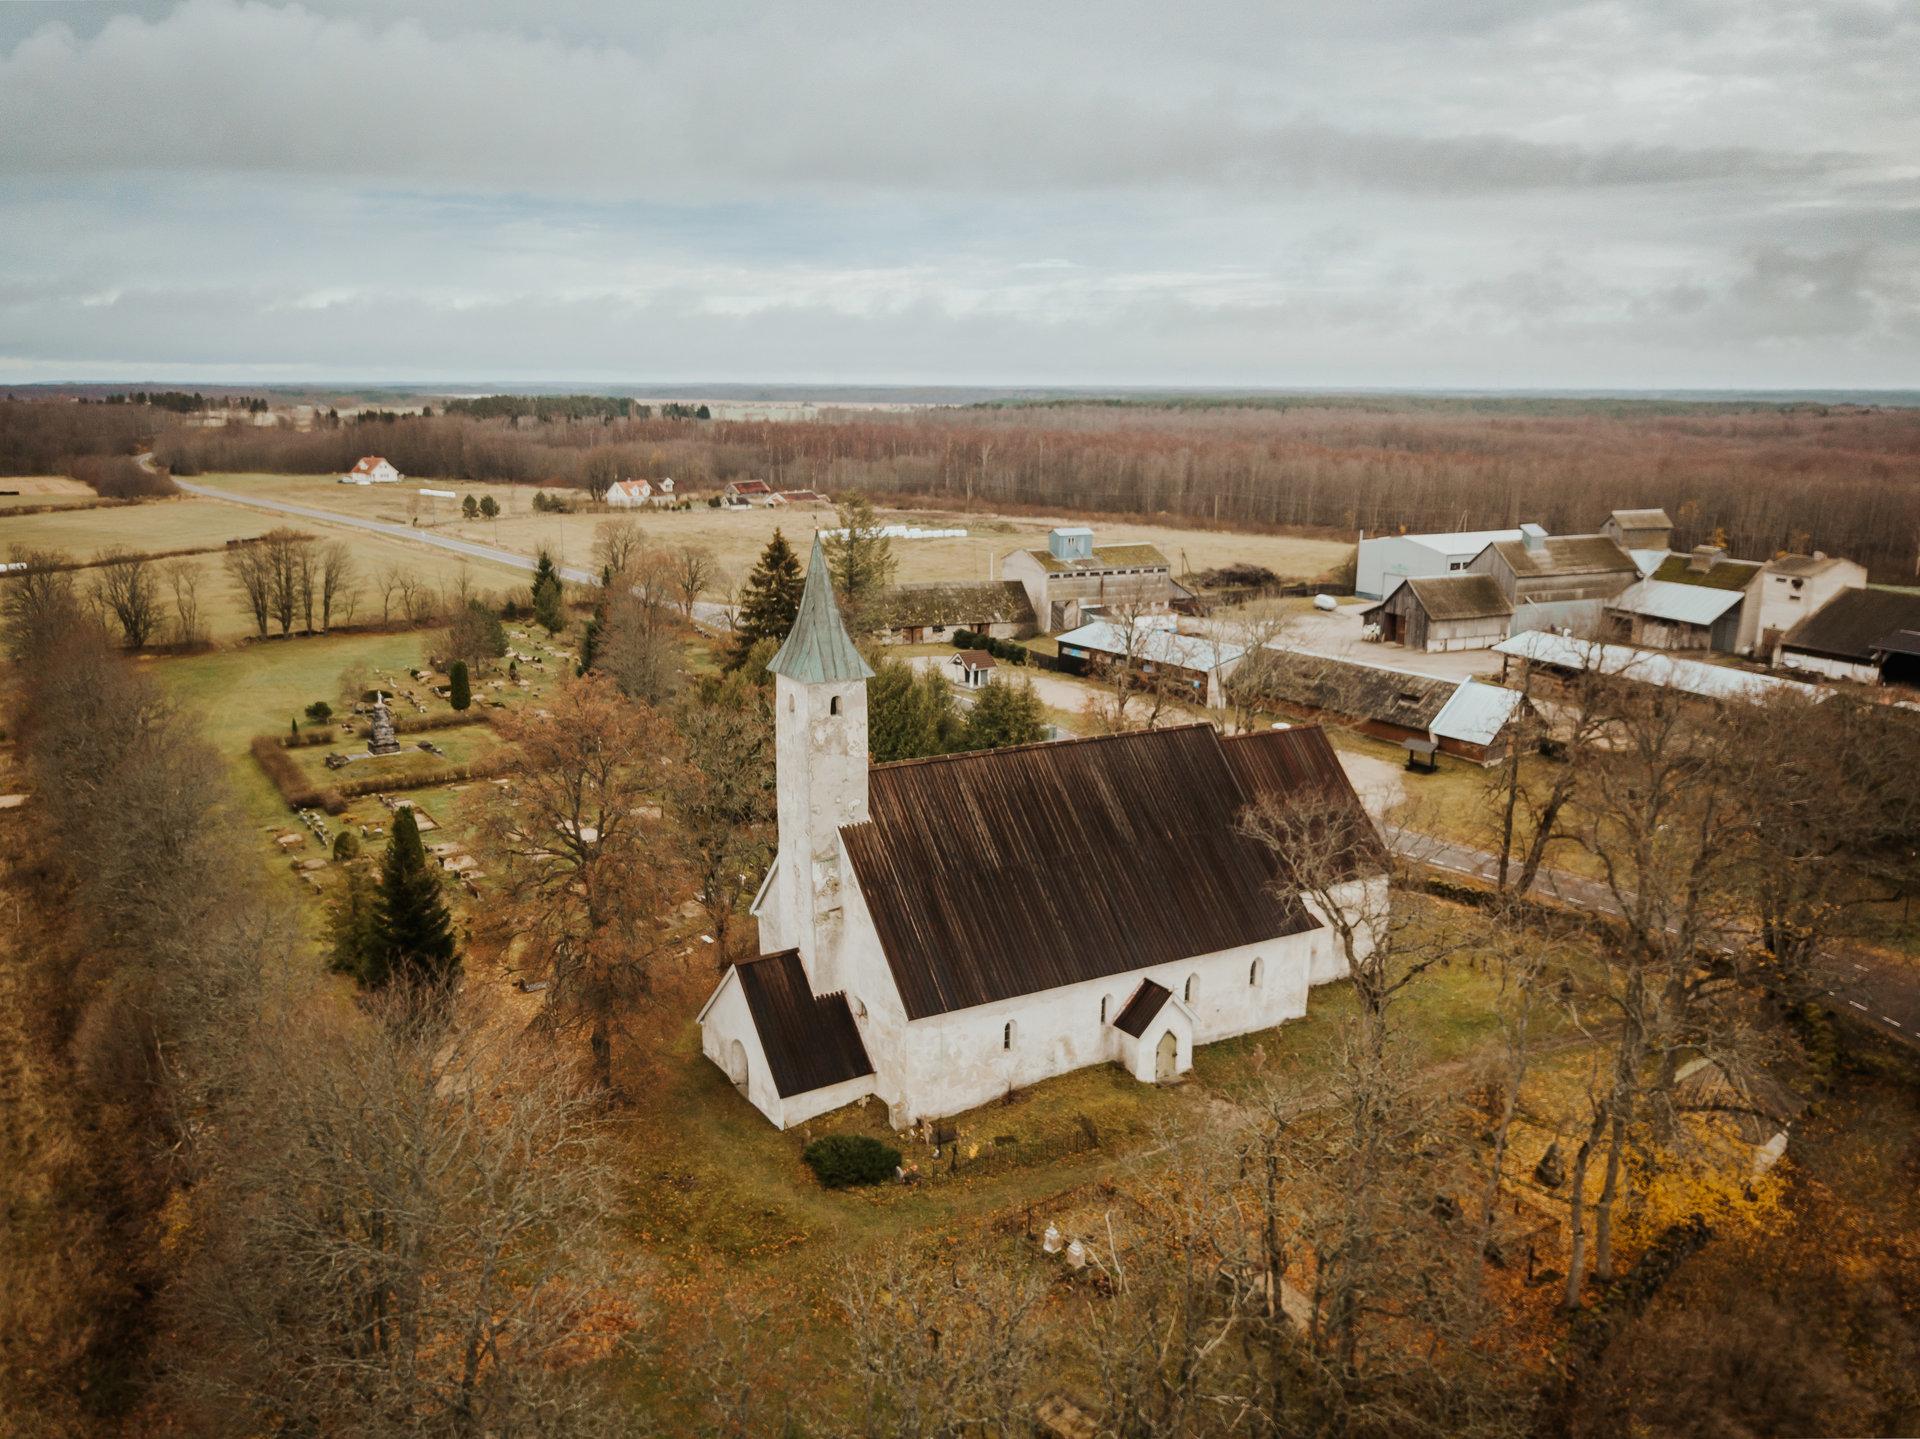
x=860, y=558
x=353, y=923
x=549, y=596
x=770, y=600
x=413, y=932
x=1004, y=713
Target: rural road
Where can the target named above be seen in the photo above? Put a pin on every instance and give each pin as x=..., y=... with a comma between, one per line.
x=1883, y=994
x=706, y=614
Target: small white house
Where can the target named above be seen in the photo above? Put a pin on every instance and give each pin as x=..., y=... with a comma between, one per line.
x=637, y=494
x=938, y=932
x=371, y=470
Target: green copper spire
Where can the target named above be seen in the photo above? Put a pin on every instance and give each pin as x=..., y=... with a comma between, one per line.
x=818, y=649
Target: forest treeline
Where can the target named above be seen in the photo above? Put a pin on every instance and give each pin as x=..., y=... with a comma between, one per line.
x=1842, y=479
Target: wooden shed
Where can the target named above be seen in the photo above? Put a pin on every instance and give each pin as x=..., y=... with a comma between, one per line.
x=1444, y=612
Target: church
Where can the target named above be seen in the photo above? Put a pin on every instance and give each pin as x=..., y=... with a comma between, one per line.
x=937, y=932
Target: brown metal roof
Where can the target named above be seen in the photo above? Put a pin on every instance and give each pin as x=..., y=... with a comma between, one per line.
x=976, y=659
x=1460, y=597
x=810, y=1041
x=1003, y=873
x=1566, y=555
x=1851, y=625
x=964, y=602
x=1148, y=1000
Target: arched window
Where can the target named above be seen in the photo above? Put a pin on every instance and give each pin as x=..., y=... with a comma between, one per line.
x=789, y=704
x=1006, y=1035
x=1105, y=1000
x=833, y=705
x=1253, y=974
x=1193, y=988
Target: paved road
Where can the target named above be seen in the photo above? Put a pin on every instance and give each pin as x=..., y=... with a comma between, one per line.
x=1883, y=994
x=705, y=614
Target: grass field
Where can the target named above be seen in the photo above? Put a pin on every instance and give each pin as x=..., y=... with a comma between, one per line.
x=191, y=523
x=736, y=537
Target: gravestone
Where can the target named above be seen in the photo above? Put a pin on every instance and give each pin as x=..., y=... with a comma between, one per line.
x=383, y=740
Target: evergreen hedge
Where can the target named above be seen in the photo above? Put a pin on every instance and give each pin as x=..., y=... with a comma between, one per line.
x=840, y=1160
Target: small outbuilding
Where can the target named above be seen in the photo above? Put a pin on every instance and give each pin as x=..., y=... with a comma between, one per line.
x=973, y=668
x=1667, y=615
x=1872, y=636
x=1439, y=613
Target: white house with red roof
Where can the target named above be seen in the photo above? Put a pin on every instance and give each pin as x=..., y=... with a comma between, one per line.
x=371, y=470
x=630, y=494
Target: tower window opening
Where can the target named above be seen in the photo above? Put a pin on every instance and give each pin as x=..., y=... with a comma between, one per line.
x=833, y=705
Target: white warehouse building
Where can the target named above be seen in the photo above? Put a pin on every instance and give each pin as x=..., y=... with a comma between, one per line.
x=938, y=932
x=1385, y=560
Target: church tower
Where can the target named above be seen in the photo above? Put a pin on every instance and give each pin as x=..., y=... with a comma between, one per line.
x=820, y=759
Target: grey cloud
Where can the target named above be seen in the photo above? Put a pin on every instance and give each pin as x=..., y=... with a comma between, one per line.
x=285, y=91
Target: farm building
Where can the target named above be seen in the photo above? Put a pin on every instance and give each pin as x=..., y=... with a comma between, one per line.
x=887, y=972
x=1155, y=650
x=1443, y=612
x=1795, y=587
x=371, y=470
x=1639, y=530
x=915, y=614
x=748, y=492
x=972, y=668
x=799, y=497
x=1073, y=574
x=1872, y=636
x=1543, y=663
x=1467, y=718
x=1667, y=615
x=1556, y=581
x=1383, y=561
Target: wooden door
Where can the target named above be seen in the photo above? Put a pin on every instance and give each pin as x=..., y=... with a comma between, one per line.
x=1166, y=1058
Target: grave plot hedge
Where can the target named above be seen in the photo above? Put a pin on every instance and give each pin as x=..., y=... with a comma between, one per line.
x=296, y=788
x=840, y=1160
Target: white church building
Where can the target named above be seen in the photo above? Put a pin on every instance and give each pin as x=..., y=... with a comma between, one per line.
x=937, y=932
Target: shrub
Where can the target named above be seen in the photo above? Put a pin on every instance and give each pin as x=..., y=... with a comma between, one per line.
x=346, y=845
x=843, y=1159
x=460, y=693
x=319, y=711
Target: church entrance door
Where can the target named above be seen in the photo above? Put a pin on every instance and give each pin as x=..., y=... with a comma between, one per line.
x=1165, y=1057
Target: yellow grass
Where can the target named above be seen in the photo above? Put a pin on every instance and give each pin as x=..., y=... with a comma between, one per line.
x=192, y=523
x=736, y=537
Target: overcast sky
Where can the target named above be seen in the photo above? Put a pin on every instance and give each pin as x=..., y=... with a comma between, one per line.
x=1397, y=193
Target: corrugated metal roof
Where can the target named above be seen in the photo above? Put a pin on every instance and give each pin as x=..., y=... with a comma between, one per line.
x=1460, y=597
x=1155, y=643
x=1675, y=603
x=1003, y=873
x=1104, y=557
x=818, y=649
x=1647, y=667
x=1565, y=555
x=810, y=1040
x=1476, y=714
x=1851, y=624
x=1148, y=1000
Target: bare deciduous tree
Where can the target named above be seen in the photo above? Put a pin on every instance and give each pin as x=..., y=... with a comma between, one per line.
x=693, y=571
x=586, y=876
x=339, y=582
x=127, y=584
